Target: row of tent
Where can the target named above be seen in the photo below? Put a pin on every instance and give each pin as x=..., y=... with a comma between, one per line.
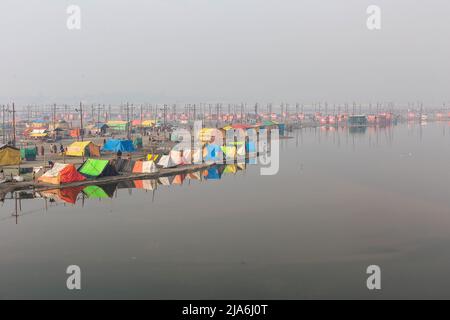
x=94, y=168
x=89, y=149
x=70, y=195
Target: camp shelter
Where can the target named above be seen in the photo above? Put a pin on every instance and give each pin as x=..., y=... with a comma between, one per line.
x=250, y=146
x=61, y=173
x=113, y=145
x=181, y=157
x=229, y=150
x=241, y=126
x=96, y=168
x=39, y=133
x=100, y=192
x=28, y=153
x=210, y=135
x=144, y=167
x=212, y=173
x=83, y=148
x=123, y=165
x=165, y=181
x=9, y=155
x=212, y=153
x=118, y=125
x=188, y=157
x=153, y=157
x=178, y=179
x=166, y=162
x=150, y=184
x=66, y=195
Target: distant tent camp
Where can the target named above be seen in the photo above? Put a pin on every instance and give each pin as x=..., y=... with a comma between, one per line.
x=83, y=148
x=67, y=195
x=9, y=155
x=212, y=153
x=61, y=173
x=97, y=192
x=166, y=162
x=144, y=167
x=95, y=168
x=146, y=184
x=113, y=145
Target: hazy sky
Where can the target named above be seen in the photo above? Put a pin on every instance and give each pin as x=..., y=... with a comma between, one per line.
x=224, y=50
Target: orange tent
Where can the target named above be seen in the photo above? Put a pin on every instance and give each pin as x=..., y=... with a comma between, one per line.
x=62, y=173
x=68, y=195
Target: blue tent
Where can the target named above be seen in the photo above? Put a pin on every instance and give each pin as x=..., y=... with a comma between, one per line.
x=213, y=173
x=118, y=145
x=213, y=153
x=251, y=147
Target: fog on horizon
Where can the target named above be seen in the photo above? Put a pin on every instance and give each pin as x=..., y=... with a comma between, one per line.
x=217, y=50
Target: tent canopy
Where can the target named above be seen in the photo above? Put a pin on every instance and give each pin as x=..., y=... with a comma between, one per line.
x=61, y=173
x=9, y=155
x=113, y=145
x=83, y=148
x=144, y=167
x=95, y=168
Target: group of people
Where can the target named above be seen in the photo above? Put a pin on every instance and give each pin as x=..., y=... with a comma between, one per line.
x=53, y=149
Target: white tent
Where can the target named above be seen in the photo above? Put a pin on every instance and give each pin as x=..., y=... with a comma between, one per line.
x=167, y=162
x=149, y=167
x=196, y=158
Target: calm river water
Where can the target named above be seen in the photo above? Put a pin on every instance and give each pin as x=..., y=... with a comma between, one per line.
x=341, y=201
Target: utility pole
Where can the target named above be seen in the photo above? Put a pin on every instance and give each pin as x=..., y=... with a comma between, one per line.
x=3, y=125
x=142, y=119
x=81, y=121
x=128, y=122
x=54, y=121
x=14, y=124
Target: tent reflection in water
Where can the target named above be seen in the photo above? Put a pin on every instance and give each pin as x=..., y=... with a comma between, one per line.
x=178, y=179
x=66, y=195
x=150, y=184
x=212, y=173
x=194, y=175
x=100, y=192
x=94, y=168
x=61, y=173
x=165, y=181
x=83, y=148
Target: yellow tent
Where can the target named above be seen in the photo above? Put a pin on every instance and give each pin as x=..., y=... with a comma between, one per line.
x=9, y=155
x=83, y=148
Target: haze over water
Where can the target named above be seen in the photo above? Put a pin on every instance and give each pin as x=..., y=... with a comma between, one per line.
x=340, y=202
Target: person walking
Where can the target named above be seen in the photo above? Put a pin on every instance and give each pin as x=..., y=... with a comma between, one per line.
x=42, y=150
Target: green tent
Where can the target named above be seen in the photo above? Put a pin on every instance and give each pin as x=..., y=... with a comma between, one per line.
x=95, y=168
x=28, y=154
x=103, y=192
